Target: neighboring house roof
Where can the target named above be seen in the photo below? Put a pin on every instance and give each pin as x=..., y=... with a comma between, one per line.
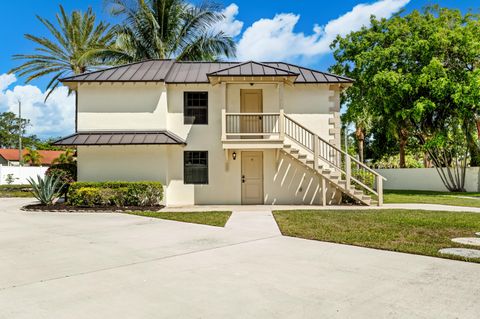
x=46, y=157
x=121, y=138
x=171, y=71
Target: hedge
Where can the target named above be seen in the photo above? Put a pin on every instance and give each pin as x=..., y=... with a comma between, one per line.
x=115, y=194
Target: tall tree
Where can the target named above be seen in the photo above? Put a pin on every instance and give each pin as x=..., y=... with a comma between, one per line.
x=73, y=47
x=10, y=126
x=414, y=71
x=162, y=29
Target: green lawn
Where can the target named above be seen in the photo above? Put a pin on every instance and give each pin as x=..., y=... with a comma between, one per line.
x=410, y=231
x=206, y=218
x=428, y=197
x=15, y=191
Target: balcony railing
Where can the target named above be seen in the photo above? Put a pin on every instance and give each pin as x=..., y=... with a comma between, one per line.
x=252, y=125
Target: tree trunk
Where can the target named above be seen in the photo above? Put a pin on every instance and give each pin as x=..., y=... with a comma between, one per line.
x=473, y=146
x=360, y=135
x=403, y=144
x=427, y=162
x=477, y=122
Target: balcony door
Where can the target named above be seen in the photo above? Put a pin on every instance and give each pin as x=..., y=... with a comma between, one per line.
x=251, y=101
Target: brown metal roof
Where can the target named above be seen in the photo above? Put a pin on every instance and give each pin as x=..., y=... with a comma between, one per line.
x=121, y=138
x=171, y=71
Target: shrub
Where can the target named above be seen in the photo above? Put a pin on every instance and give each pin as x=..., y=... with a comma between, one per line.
x=67, y=171
x=115, y=193
x=46, y=189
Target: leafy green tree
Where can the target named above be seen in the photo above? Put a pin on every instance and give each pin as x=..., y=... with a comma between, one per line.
x=412, y=71
x=73, y=47
x=162, y=29
x=10, y=128
x=32, y=157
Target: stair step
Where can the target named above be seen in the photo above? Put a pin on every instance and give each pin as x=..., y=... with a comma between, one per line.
x=302, y=156
x=287, y=146
x=294, y=151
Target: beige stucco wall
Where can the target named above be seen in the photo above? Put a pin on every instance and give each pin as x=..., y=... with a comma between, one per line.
x=128, y=106
x=425, y=179
x=157, y=107
x=123, y=163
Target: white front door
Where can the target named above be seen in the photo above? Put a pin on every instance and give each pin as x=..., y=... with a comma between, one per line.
x=252, y=178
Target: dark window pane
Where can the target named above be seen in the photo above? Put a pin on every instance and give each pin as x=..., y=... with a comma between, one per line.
x=195, y=108
x=195, y=168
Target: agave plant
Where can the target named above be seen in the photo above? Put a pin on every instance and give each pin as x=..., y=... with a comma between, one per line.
x=47, y=189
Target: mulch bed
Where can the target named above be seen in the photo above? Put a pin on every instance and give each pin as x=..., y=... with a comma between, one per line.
x=60, y=207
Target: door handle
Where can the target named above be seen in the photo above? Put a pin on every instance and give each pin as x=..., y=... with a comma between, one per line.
x=243, y=178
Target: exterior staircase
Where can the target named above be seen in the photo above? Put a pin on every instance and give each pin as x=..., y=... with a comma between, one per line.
x=350, y=176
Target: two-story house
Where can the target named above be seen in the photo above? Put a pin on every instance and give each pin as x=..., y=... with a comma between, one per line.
x=218, y=132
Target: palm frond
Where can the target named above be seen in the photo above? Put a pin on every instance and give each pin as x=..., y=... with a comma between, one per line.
x=70, y=49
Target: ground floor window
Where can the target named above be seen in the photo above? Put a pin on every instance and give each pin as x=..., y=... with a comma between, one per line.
x=195, y=167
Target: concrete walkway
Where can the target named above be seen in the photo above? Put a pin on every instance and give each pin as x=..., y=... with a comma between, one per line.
x=255, y=222
x=108, y=265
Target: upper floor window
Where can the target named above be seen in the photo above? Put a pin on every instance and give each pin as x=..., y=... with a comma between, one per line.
x=195, y=107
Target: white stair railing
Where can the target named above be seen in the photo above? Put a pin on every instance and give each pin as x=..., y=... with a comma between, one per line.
x=354, y=172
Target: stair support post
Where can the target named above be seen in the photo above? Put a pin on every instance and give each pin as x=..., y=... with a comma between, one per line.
x=380, y=190
x=316, y=151
x=348, y=172
x=324, y=191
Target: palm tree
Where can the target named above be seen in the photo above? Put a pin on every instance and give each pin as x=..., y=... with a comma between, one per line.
x=32, y=157
x=162, y=29
x=73, y=47
x=65, y=158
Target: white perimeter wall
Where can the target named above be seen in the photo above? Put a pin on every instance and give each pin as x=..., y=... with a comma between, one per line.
x=21, y=173
x=425, y=179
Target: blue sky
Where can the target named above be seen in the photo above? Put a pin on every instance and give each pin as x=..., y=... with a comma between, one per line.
x=296, y=31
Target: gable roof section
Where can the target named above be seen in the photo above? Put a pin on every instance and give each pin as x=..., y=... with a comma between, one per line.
x=171, y=71
x=121, y=138
x=46, y=156
x=252, y=68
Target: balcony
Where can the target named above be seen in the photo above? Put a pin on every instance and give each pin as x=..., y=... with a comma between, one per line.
x=252, y=130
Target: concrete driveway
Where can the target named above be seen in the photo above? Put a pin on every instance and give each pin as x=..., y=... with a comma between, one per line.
x=97, y=265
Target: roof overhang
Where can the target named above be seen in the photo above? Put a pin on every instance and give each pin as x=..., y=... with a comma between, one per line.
x=121, y=138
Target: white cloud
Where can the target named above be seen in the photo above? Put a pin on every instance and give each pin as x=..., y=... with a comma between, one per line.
x=230, y=25
x=275, y=39
x=54, y=118
x=6, y=80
